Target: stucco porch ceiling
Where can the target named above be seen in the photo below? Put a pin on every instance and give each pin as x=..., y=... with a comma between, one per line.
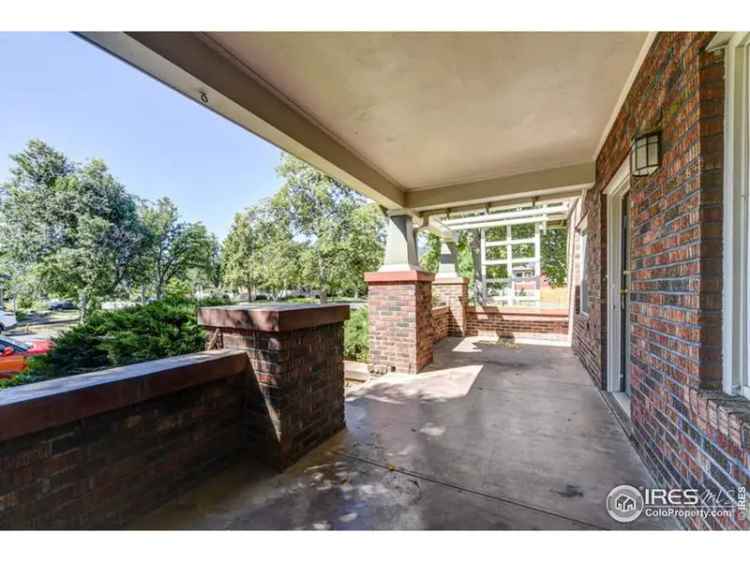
x=414, y=120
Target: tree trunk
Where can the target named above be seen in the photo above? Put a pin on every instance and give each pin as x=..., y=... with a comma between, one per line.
x=83, y=304
x=321, y=283
x=159, y=285
x=475, y=246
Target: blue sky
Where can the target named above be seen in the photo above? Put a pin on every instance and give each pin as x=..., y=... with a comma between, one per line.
x=87, y=104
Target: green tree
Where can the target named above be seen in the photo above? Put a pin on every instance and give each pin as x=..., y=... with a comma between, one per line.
x=429, y=244
x=260, y=250
x=174, y=248
x=338, y=237
x=240, y=253
x=33, y=217
x=75, y=226
x=430, y=258
x=105, y=238
x=365, y=247
x=554, y=256
x=18, y=284
x=210, y=275
x=279, y=254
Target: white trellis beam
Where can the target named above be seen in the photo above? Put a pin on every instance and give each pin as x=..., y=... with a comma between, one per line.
x=533, y=212
x=496, y=223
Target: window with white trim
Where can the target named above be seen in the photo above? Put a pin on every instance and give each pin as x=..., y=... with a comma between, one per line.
x=736, y=295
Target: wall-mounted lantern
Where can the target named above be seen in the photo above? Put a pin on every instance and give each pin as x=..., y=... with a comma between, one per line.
x=645, y=154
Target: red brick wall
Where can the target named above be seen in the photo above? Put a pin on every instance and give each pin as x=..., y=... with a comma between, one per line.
x=400, y=325
x=441, y=317
x=676, y=279
x=294, y=391
x=455, y=293
x=101, y=471
x=507, y=323
x=98, y=450
x=590, y=329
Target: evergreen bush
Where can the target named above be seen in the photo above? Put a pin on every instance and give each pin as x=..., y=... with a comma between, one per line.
x=356, y=344
x=121, y=337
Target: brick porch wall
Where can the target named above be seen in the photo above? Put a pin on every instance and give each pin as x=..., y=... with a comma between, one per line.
x=95, y=456
x=515, y=323
x=441, y=316
x=455, y=293
x=95, y=451
x=676, y=280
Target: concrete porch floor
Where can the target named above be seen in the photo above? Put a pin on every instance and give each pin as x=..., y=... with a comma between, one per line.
x=489, y=437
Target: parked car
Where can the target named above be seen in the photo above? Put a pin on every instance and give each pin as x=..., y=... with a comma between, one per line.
x=61, y=305
x=15, y=353
x=7, y=320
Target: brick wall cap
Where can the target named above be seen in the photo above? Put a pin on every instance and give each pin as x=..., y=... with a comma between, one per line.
x=398, y=276
x=34, y=407
x=272, y=317
x=451, y=281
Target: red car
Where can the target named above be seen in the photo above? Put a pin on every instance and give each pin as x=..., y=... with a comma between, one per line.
x=15, y=353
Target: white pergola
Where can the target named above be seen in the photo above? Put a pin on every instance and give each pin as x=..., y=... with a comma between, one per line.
x=500, y=249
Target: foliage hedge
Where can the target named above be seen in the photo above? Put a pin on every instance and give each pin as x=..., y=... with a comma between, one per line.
x=356, y=345
x=121, y=337
x=143, y=333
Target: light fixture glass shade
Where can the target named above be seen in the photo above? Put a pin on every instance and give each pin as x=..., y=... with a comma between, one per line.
x=645, y=154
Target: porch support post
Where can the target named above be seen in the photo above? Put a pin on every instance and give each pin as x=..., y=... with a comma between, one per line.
x=400, y=244
x=399, y=301
x=451, y=288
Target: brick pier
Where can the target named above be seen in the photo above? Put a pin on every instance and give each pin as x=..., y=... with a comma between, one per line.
x=295, y=387
x=400, y=320
x=454, y=292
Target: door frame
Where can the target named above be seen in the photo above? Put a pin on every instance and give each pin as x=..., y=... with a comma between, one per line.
x=615, y=190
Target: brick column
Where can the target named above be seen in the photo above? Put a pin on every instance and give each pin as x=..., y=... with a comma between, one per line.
x=400, y=320
x=453, y=291
x=294, y=392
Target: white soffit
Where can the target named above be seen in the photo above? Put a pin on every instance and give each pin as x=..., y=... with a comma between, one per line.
x=428, y=110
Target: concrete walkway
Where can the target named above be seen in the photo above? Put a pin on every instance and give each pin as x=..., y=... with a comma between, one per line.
x=489, y=437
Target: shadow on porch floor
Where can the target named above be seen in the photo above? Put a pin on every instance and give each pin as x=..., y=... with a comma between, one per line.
x=491, y=436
